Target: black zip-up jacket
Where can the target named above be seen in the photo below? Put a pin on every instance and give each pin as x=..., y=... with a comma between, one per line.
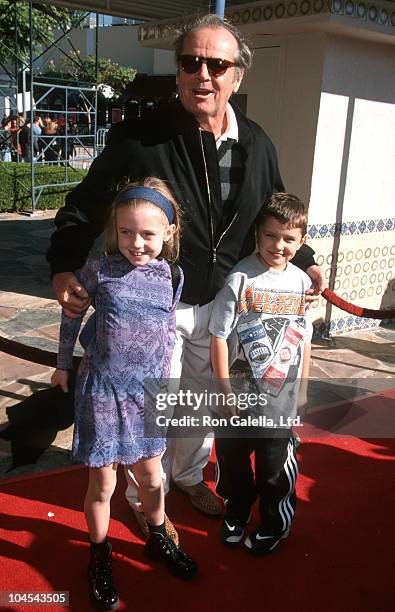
x=169, y=144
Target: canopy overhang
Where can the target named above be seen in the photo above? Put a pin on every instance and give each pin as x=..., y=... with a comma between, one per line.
x=146, y=10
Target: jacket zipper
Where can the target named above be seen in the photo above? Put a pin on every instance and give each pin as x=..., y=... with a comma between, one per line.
x=215, y=247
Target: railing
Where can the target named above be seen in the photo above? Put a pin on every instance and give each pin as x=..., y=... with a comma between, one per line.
x=101, y=138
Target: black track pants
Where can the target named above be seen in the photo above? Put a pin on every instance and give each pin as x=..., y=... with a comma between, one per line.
x=275, y=479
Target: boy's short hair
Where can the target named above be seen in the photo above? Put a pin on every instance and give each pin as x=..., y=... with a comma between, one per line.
x=287, y=209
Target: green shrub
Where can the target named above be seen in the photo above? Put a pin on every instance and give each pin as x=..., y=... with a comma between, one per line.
x=15, y=185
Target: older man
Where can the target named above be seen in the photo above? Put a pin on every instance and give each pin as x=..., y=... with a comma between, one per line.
x=222, y=168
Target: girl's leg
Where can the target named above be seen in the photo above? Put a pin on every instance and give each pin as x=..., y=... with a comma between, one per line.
x=159, y=546
x=147, y=473
x=101, y=486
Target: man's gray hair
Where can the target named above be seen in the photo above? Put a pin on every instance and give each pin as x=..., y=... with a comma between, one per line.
x=243, y=57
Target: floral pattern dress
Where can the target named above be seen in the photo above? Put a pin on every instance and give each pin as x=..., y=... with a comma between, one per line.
x=133, y=343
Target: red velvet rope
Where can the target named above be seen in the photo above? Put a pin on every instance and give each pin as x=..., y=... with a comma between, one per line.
x=48, y=358
x=358, y=311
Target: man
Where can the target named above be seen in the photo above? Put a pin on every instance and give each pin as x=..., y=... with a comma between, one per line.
x=25, y=139
x=5, y=140
x=222, y=167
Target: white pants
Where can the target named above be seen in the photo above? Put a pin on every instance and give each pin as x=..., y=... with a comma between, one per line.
x=184, y=458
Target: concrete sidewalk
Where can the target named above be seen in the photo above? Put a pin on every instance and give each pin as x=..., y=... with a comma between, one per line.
x=353, y=364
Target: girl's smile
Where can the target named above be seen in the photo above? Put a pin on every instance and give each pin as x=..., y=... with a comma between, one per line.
x=141, y=232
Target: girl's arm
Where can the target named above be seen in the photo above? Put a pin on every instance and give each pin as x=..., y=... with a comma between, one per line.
x=68, y=335
x=70, y=327
x=60, y=378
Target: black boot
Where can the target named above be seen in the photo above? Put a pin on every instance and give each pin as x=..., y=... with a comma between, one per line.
x=102, y=590
x=162, y=548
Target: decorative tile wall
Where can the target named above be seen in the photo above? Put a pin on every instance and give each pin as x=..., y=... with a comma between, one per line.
x=358, y=257
x=350, y=228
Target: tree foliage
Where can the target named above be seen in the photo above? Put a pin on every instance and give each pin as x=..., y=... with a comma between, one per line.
x=76, y=69
x=45, y=19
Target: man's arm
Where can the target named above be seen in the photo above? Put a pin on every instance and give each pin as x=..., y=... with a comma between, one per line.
x=70, y=293
x=85, y=212
x=304, y=259
x=82, y=218
x=78, y=224
x=318, y=280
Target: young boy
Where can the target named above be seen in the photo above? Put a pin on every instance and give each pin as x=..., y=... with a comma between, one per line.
x=263, y=301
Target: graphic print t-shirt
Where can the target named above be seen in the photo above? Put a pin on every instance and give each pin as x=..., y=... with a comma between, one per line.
x=267, y=311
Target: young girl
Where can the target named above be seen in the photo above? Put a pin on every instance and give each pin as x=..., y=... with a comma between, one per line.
x=131, y=285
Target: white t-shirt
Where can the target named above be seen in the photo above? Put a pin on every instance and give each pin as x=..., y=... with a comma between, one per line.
x=265, y=311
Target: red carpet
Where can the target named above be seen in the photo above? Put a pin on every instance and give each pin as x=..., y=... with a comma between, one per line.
x=339, y=557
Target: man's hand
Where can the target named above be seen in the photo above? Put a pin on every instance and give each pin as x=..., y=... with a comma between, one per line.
x=318, y=281
x=71, y=295
x=60, y=378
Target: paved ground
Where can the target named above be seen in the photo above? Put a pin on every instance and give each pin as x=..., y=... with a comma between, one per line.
x=352, y=364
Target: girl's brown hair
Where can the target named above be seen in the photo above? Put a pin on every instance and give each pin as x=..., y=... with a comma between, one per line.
x=170, y=249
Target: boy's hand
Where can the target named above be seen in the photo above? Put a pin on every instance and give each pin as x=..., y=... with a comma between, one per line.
x=302, y=400
x=226, y=405
x=60, y=378
x=230, y=407
x=220, y=361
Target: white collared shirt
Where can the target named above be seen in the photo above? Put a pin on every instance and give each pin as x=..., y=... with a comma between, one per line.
x=232, y=129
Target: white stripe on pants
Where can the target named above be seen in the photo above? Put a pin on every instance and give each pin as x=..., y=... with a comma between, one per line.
x=185, y=458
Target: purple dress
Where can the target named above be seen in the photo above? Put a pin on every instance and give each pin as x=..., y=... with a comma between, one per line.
x=135, y=336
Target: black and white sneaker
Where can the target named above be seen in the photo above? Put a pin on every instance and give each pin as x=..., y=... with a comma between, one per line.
x=232, y=531
x=262, y=543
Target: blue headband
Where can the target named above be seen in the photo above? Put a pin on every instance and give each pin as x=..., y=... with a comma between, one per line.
x=151, y=195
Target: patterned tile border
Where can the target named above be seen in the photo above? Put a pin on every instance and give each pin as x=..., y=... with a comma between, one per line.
x=347, y=324
x=381, y=13
x=373, y=12
x=351, y=228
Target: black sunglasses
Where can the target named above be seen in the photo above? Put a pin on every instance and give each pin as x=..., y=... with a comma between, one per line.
x=216, y=66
